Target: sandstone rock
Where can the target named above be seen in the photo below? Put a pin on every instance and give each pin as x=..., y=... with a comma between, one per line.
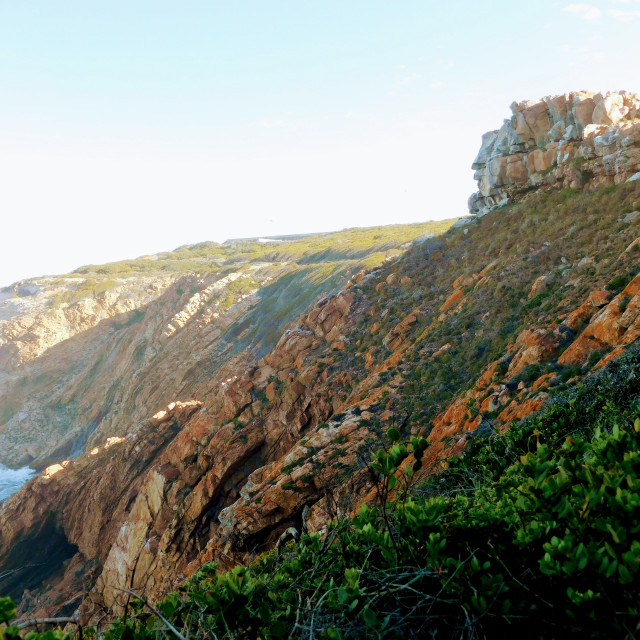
x=540, y=284
x=271, y=391
x=631, y=247
x=614, y=354
x=394, y=338
x=544, y=381
x=442, y=350
x=537, y=145
x=579, y=316
x=519, y=410
x=452, y=300
x=579, y=351
x=532, y=347
x=599, y=298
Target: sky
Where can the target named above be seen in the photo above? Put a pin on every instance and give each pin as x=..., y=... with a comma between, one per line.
x=133, y=127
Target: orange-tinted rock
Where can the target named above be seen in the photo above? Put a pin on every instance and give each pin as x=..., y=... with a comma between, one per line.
x=451, y=420
x=271, y=391
x=605, y=326
x=487, y=377
x=631, y=313
x=540, y=284
x=394, y=338
x=610, y=357
x=633, y=288
x=544, y=381
x=488, y=268
x=599, y=298
x=472, y=425
x=518, y=410
x=579, y=351
x=369, y=359
x=532, y=347
x=631, y=335
x=578, y=317
x=452, y=300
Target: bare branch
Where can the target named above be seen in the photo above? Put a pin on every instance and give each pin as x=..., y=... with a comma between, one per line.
x=155, y=612
x=33, y=622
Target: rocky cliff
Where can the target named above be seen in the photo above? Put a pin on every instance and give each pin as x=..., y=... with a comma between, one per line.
x=577, y=140
x=459, y=336
x=84, y=357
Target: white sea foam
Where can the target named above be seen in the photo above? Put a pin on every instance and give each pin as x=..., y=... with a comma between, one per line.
x=12, y=479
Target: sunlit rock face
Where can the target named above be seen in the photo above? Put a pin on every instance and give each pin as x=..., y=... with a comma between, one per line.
x=578, y=140
x=86, y=356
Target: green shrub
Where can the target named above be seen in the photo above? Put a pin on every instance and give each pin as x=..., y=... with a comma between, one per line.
x=533, y=533
x=617, y=283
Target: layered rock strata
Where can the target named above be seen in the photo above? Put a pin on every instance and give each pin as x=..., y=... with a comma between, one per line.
x=578, y=140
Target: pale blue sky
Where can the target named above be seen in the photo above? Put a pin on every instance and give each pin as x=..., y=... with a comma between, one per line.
x=134, y=127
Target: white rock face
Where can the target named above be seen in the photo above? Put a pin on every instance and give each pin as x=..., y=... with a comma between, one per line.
x=578, y=140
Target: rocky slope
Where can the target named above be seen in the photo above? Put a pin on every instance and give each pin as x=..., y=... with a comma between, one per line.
x=578, y=140
x=461, y=335
x=79, y=352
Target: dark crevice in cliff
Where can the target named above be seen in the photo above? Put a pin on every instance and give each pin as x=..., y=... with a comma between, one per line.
x=35, y=559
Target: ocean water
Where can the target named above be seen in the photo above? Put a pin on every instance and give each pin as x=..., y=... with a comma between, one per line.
x=12, y=479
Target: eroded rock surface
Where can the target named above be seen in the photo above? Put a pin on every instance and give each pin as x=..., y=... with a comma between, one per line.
x=578, y=140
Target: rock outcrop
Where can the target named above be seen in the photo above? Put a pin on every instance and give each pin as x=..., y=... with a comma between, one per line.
x=79, y=353
x=578, y=140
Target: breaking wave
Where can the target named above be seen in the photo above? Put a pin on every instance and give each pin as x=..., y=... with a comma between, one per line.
x=12, y=479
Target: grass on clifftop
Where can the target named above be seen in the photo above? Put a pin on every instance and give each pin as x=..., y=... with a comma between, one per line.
x=327, y=247
x=575, y=238
x=328, y=256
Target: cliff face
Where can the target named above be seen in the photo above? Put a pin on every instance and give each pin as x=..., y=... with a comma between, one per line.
x=461, y=335
x=578, y=140
x=85, y=357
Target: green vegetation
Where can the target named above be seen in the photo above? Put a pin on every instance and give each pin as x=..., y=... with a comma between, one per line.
x=234, y=290
x=497, y=262
x=207, y=257
x=532, y=533
x=89, y=287
x=300, y=270
x=617, y=283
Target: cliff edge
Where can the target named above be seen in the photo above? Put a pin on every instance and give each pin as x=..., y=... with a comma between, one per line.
x=577, y=140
